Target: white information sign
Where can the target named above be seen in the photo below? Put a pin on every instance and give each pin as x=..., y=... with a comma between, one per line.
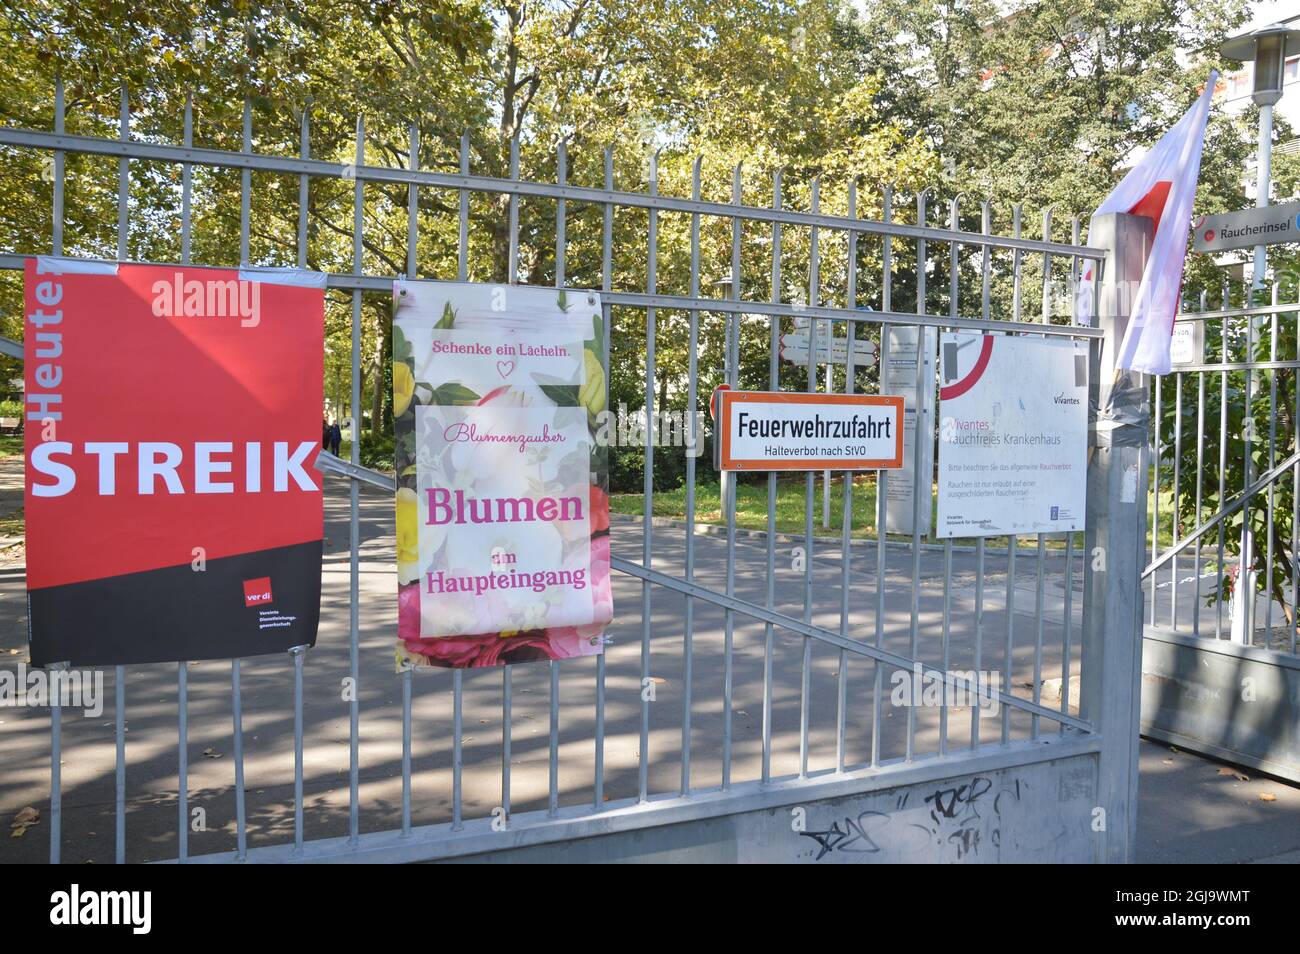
x=899, y=377
x=1013, y=435
x=831, y=348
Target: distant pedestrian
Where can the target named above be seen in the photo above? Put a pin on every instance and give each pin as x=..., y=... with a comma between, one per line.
x=324, y=434
x=336, y=438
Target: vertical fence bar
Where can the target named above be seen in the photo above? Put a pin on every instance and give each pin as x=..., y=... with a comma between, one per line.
x=1174, y=532
x=561, y=178
x=774, y=382
x=514, y=214
x=1157, y=456
x=406, y=750
x=1200, y=476
x=457, y=748
x=187, y=180
x=507, y=737
x=119, y=672
x=298, y=655
x=412, y=272
x=182, y=670
x=462, y=237
x=304, y=186
x=1038, y=631
x=182, y=762
x=1223, y=466
x=1009, y=649
x=920, y=480
x=56, y=225
x=810, y=482
x=692, y=399
x=647, y=552
x=846, y=528
x=606, y=279
x=729, y=616
x=882, y=476
x=354, y=600
x=553, y=803
x=1272, y=462
x=246, y=187
x=55, y=672
x=1295, y=503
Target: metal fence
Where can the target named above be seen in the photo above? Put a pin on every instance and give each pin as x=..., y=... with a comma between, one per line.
x=1220, y=670
x=1226, y=469
x=811, y=643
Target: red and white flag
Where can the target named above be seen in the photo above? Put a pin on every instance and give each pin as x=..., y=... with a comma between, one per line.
x=1161, y=187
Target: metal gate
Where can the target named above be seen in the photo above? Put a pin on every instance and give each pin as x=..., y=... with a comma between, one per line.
x=1221, y=674
x=743, y=711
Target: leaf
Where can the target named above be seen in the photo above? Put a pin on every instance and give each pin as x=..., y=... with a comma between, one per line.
x=453, y=393
x=25, y=819
x=211, y=753
x=564, y=395
x=1233, y=773
x=1267, y=797
x=402, y=350
x=448, y=318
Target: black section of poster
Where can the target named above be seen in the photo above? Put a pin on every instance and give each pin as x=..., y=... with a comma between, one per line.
x=179, y=613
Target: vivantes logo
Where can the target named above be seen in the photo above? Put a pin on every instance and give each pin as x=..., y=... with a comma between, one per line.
x=257, y=592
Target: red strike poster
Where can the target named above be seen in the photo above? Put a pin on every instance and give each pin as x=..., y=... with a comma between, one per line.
x=172, y=424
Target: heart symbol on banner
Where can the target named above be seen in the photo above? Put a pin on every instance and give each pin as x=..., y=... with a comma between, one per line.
x=505, y=368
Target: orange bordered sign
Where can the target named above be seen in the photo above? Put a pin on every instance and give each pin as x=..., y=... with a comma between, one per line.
x=791, y=430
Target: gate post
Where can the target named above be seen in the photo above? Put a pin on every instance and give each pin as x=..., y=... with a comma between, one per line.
x=1115, y=538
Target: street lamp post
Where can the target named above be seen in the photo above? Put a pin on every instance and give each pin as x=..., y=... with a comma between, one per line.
x=1267, y=47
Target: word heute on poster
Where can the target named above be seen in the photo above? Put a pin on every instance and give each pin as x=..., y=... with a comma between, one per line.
x=172, y=414
x=1013, y=435
x=502, y=500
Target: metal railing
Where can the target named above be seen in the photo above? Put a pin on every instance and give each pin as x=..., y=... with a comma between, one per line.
x=894, y=625
x=1226, y=475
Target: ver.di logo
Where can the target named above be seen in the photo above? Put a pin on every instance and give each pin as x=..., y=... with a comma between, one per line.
x=257, y=592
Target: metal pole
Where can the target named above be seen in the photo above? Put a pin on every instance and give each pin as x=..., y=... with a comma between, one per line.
x=1115, y=537
x=1264, y=162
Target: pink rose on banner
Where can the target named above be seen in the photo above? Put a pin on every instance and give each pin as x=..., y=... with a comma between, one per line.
x=408, y=611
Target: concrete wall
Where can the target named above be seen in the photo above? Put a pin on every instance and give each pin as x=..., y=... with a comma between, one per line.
x=1040, y=812
x=1232, y=702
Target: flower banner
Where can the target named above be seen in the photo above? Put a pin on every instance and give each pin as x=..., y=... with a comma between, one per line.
x=502, y=504
x=173, y=512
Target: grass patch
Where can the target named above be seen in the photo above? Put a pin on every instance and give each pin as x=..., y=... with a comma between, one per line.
x=791, y=508
x=11, y=445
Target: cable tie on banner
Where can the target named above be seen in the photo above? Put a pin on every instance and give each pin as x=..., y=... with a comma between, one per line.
x=71, y=265
x=276, y=275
